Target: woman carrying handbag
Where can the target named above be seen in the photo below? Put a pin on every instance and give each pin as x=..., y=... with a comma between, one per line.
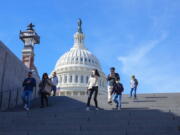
x=45, y=89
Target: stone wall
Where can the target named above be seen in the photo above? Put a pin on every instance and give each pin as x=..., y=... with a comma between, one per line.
x=12, y=74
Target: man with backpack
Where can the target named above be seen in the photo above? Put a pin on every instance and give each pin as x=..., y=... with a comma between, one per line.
x=133, y=85
x=112, y=77
x=117, y=94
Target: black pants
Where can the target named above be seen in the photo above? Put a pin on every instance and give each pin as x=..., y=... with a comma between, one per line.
x=44, y=96
x=90, y=93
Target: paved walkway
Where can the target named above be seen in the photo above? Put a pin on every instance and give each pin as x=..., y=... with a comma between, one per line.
x=151, y=114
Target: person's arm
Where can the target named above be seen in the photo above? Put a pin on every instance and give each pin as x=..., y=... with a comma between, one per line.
x=24, y=83
x=122, y=87
x=50, y=82
x=117, y=77
x=137, y=82
x=109, y=78
x=88, y=82
x=57, y=80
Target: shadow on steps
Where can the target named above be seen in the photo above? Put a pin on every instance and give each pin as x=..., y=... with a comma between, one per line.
x=67, y=116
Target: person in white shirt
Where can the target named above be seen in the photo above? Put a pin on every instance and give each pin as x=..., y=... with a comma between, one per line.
x=54, y=80
x=93, y=88
x=133, y=85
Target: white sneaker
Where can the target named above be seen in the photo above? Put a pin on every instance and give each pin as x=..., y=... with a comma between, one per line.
x=97, y=109
x=25, y=106
x=87, y=109
x=27, y=109
x=119, y=108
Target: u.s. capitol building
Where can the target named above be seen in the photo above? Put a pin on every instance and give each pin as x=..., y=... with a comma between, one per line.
x=74, y=68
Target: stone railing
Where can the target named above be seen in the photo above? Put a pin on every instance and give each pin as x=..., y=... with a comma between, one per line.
x=12, y=74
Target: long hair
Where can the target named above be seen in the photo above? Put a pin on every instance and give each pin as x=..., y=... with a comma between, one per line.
x=43, y=76
x=97, y=72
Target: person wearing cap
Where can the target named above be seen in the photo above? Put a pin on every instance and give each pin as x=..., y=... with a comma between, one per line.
x=117, y=94
x=112, y=78
x=133, y=85
x=29, y=83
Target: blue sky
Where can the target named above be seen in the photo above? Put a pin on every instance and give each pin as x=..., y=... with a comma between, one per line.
x=140, y=37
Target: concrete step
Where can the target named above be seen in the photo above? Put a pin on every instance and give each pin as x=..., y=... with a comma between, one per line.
x=67, y=116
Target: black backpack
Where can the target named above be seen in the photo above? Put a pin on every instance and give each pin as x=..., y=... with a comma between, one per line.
x=119, y=87
x=136, y=82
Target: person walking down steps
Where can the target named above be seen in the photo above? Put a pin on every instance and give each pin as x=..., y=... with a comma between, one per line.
x=45, y=87
x=93, y=88
x=117, y=94
x=112, y=78
x=54, y=80
x=133, y=85
x=29, y=83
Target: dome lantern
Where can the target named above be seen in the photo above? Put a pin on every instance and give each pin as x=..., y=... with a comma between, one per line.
x=79, y=36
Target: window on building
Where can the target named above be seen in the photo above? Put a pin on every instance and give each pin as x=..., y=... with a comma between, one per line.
x=65, y=79
x=81, y=59
x=85, y=59
x=70, y=79
x=82, y=79
x=89, y=60
x=76, y=78
x=60, y=79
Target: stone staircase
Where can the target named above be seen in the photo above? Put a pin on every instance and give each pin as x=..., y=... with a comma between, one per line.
x=150, y=114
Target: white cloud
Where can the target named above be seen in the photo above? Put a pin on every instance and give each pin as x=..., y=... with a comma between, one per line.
x=152, y=77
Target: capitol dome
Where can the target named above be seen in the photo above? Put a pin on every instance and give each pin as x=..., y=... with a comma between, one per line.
x=74, y=68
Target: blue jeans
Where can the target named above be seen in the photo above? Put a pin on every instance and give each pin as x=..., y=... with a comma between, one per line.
x=117, y=99
x=133, y=89
x=26, y=97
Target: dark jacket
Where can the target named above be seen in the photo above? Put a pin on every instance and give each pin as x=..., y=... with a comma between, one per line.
x=45, y=86
x=29, y=84
x=118, y=89
x=112, y=80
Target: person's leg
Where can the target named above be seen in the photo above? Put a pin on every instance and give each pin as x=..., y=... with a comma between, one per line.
x=135, y=92
x=54, y=90
x=89, y=97
x=46, y=99
x=109, y=93
x=131, y=92
x=95, y=96
x=29, y=97
x=119, y=100
x=115, y=96
x=42, y=99
x=23, y=96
